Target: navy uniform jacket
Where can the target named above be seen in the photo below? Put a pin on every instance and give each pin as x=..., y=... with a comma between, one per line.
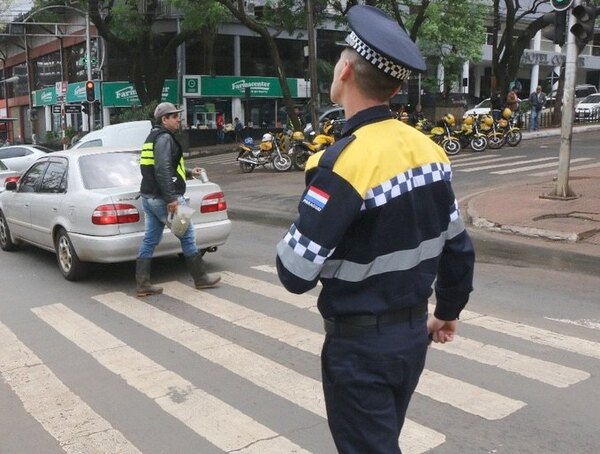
x=378, y=223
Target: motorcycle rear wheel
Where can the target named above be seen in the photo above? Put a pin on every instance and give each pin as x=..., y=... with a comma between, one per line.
x=451, y=146
x=514, y=136
x=282, y=163
x=495, y=140
x=246, y=167
x=299, y=159
x=479, y=143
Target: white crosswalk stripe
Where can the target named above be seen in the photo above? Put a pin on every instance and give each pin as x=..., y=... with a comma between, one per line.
x=76, y=427
x=210, y=417
x=270, y=313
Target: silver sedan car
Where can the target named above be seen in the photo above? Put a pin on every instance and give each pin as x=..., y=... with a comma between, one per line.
x=84, y=205
x=6, y=175
x=20, y=157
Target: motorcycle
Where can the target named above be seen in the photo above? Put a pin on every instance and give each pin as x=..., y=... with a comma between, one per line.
x=470, y=135
x=510, y=129
x=268, y=152
x=492, y=129
x=301, y=149
x=442, y=135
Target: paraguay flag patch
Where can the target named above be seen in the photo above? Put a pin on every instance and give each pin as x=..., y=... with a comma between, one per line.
x=316, y=198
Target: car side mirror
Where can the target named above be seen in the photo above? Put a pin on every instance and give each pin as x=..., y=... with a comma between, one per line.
x=11, y=186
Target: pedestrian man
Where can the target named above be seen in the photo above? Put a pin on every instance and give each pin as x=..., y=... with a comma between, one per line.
x=162, y=189
x=378, y=223
x=537, y=99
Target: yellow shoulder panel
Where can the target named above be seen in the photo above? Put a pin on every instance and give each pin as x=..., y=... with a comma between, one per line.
x=383, y=150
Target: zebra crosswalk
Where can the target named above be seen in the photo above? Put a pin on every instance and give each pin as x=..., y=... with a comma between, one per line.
x=498, y=164
x=252, y=302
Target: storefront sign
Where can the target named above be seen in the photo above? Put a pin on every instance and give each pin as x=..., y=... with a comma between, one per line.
x=124, y=94
x=241, y=86
x=44, y=97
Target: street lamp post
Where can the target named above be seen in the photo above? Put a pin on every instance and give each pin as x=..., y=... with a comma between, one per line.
x=5, y=82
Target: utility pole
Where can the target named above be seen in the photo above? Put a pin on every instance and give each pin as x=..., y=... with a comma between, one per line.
x=312, y=65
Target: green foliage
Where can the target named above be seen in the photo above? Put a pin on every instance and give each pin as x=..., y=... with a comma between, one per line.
x=135, y=113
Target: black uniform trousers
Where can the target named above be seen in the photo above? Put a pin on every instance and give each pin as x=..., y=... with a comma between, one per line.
x=369, y=375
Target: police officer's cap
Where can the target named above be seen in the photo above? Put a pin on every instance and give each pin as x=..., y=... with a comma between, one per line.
x=383, y=42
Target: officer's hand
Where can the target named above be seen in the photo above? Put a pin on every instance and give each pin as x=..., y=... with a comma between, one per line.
x=441, y=331
x=172, y=207
x=196, y=171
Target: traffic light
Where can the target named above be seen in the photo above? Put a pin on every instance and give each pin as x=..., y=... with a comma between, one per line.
x=561, y=5
x=90, y=91
x=557, y=26
x=583, y=29
x=85, y=108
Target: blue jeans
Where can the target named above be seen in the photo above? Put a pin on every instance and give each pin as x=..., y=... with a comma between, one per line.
x=534, y=120
x=155, y=212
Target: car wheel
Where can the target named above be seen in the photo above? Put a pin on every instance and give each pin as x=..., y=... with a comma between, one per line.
x=6, y=242
x=69, y=264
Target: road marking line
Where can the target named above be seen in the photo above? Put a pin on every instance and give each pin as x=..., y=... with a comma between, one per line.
x=544, y=371
x=484, y=161
x=263, y=288
x=218, y=422
x=286, y=383
x=540, y=166
x=467, y=397
x=312, y=342
x=76, y=427
x=463, y=158
x=553, y=172
x=592, y=324
x=510, y=164
x=532, y=334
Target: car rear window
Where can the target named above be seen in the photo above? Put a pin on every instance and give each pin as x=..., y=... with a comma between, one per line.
x=110, y=170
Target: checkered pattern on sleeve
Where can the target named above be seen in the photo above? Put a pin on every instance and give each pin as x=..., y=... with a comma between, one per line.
x=406, y=182
x=454, y=211
x=371, y=55
x=305, y=247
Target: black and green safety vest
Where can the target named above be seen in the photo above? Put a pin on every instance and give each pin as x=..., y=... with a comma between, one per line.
x=150, y=184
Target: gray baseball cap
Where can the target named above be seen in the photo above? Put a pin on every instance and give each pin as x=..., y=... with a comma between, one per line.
x=165, y=108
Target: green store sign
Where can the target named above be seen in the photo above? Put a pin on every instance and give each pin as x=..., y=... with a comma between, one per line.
x=239, y=86
x=114, y=94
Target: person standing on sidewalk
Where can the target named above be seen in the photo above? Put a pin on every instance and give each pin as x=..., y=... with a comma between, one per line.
x=537, y=99
x=162, y=189
x=378, y=223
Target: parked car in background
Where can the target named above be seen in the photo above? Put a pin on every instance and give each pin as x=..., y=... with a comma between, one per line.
x=583, y=91
x=84, y=205
x=7, y=175
x=333, y=113
x=588, y=108
x=20, y=157
x=483, y=107
x=125, y=135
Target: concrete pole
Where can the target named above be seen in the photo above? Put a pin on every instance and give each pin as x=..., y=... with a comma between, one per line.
x=562, y=190
x=535, y=69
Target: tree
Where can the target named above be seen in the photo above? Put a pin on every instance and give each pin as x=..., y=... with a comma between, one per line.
x=285, y=15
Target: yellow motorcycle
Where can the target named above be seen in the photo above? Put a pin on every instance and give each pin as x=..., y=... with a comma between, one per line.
x=301, y=149
x=442, y=135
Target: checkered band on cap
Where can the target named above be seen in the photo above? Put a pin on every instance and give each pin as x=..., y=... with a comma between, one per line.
x=372, y=56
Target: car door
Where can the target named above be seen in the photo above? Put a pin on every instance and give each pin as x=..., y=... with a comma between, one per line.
x=17, y=206
x=45, y=204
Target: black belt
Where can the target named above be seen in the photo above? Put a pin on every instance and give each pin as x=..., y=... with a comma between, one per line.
x=353, y=325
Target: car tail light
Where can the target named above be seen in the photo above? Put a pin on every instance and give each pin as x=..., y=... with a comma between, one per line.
x=213, y=202
x=115, y=213
x=11, y=179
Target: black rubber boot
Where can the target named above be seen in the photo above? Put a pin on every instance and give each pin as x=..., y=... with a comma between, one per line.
x=142, y=279
x=202, y=279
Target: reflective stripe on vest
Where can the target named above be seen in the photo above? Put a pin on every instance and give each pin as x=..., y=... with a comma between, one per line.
x=147, y=159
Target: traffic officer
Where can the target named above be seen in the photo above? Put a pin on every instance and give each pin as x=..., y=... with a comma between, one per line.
x=378, y=224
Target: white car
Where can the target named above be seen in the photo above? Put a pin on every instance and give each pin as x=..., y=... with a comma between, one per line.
x=84, y=205
x=483, y=107
x=7, y=175
x=20, y=157
x=126, y=135
x=588, y=108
